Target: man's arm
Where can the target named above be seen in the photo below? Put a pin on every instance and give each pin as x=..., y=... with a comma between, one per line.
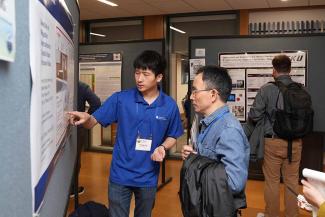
x=77, y=118
x=160, y=152
x=257, y=111
x=233, y=151
x=92, y=99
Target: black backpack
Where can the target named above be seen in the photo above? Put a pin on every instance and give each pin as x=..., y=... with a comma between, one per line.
x=295, y=120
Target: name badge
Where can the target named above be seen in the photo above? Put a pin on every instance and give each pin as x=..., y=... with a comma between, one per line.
x=143, y=144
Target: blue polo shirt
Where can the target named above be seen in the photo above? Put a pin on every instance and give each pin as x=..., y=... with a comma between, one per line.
x=136, y=118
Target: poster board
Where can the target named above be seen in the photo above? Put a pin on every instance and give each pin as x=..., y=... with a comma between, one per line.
x=249, y=71
x=103, y=73
x=52, y=65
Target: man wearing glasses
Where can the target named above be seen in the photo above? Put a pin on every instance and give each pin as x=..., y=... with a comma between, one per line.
x=221, y=136
x=148, y=125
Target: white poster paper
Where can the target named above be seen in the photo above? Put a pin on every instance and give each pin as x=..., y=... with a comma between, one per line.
x=259, y=60
x=195, y=64
x=200, y=52
x=238, y=78
x=52, y=69
x=7, y=30
x=106, y=70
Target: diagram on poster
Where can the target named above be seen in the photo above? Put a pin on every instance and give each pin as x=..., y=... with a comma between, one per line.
x=52, y=69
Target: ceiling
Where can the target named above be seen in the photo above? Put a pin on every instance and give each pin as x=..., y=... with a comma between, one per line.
x=92, y=9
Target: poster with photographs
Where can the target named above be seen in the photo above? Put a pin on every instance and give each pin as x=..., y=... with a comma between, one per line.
x=249, y=71
x=52, y=60
x=238, y=78
x=195, y=64
x=236, y=103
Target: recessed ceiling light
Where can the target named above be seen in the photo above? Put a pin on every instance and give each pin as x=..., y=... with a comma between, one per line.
x=108, y=3
x=96, y=34
x=284, y=0
x=177, y=30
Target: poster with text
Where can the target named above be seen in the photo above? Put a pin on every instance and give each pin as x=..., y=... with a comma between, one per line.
x=7, y=30
x=105, y=69
x=52, y=69
x=257, y=69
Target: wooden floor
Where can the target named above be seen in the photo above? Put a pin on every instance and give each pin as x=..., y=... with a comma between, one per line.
x=94, y=177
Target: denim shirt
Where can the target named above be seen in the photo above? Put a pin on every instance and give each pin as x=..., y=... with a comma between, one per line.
x=222, y=138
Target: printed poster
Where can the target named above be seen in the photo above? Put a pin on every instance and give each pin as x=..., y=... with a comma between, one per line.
x=7, y=30
x=250, y=71
x=195, y=64
x=52, y=61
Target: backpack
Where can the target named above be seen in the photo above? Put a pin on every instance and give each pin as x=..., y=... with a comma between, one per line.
x=90, y=209
x=295, y=120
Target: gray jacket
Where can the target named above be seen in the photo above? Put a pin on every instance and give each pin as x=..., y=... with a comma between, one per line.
x=259, y=124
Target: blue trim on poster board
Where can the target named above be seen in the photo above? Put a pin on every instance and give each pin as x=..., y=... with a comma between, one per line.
x=60, y=14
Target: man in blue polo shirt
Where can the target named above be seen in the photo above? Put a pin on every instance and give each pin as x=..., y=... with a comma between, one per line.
x=148, y=125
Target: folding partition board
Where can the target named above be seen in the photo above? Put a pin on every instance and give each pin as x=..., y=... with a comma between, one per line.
x=16, y=85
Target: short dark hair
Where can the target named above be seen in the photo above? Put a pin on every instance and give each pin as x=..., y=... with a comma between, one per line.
x=151, y=60
x=215, y=77
x=282, y=63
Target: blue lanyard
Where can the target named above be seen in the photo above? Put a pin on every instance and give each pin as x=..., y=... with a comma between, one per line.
x=203, y=134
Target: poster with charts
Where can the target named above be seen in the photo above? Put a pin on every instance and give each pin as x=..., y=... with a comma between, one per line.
x=52, y=61
x=7, y=30
x=255, y=68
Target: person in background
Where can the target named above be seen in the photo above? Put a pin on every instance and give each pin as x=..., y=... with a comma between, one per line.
x=148, y=124
x=276, y=161
x=220, y=136
x=85, y=96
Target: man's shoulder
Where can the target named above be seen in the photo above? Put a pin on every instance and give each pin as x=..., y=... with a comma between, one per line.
x=168, y=99
x=269, y=85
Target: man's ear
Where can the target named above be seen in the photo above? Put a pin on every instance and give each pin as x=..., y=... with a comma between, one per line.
x=159, y=77
x=215, y=95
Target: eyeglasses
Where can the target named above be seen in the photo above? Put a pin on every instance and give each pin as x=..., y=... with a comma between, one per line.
x=194, y=91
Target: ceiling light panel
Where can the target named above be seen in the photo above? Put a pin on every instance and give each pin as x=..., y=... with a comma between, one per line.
x=108, y=3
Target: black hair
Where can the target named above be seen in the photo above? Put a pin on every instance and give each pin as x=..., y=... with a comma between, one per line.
x=151, y=60
x=215, y=77
x=282, y=63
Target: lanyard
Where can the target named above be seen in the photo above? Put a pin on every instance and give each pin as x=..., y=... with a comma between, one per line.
x=203, y=134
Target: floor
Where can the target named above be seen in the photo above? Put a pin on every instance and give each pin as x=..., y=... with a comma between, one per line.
x=94, y=173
